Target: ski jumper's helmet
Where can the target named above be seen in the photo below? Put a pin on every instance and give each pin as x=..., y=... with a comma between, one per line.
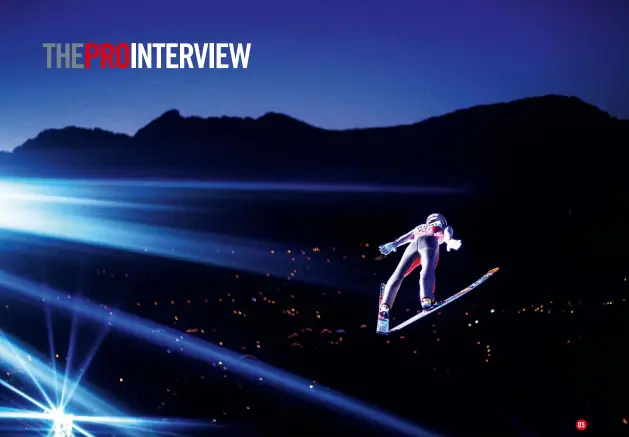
x=432, y=218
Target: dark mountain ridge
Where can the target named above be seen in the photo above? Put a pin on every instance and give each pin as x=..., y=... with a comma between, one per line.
x=481, y=146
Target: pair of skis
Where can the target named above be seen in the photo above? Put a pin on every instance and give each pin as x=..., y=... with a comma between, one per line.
x=383, y=323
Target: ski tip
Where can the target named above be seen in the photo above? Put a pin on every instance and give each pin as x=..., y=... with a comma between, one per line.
x=492, y=271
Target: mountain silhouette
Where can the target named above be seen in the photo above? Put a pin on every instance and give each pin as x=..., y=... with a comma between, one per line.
x=561, y=140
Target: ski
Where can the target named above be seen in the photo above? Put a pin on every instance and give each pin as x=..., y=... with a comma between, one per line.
x=383, y=324
x=441, y=304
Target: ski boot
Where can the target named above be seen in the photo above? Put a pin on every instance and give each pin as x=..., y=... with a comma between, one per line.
x=429, y=303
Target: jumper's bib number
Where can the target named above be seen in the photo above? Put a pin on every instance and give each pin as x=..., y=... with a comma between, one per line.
x=429, y=229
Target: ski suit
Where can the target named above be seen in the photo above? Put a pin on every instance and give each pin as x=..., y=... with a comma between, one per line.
x=423, y=250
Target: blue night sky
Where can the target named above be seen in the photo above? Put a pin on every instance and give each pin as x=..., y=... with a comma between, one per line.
x=332, y=63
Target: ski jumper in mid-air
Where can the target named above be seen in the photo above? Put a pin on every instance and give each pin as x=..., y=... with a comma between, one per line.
x=423, y=249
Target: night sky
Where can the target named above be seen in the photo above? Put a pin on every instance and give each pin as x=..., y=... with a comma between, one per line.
x=332, y=63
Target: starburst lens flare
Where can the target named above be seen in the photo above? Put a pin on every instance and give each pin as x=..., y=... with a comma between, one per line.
x=62, y=423
x=58, y=420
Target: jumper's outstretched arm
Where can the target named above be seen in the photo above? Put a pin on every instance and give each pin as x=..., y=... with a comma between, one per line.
x=404, y=239
x=386, y=249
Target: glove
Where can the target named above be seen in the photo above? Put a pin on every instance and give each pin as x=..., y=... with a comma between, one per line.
x=453, y=244
x=386, y=249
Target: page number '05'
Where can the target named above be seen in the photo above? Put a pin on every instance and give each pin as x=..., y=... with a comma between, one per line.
x=582, y=425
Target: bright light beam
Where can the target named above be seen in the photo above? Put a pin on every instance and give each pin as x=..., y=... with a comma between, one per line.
x=58, y=415
x=196, y=348
x=23, y=395
x=57, y=186
x=84, y=366
x=197, y=247
x=21, y=193
x=69, y=356
x=51, y=344
x=28, y=372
